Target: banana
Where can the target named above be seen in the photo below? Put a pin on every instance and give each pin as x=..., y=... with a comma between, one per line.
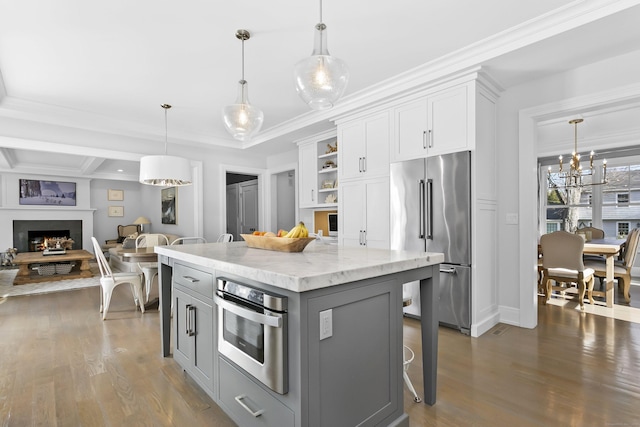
x=298, y=231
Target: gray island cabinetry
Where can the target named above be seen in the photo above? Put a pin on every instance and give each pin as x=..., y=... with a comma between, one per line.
x=297, y=339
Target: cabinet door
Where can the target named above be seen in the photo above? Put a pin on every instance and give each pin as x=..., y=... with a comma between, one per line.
x=351, y=207
x=202, y=355
x=377, y=213
x=351, y=150
x=377, y=135
x=448, y=121
x=182, y=344
x=411, y=125
x=308, y=183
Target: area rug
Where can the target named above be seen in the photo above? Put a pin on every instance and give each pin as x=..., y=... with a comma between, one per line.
x=7, y=289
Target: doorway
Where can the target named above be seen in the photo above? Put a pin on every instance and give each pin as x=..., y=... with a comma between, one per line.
x=243, y=210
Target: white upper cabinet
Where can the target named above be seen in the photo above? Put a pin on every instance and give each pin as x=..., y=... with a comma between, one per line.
x=435, y=124
x=364, y=147
x=308, y=175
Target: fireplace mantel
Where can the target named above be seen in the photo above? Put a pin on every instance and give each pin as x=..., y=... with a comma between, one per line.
x=43, y=213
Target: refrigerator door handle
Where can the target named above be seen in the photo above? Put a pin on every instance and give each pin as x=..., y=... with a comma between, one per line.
x=421, y=218
x=430, y=209
x=448, y=270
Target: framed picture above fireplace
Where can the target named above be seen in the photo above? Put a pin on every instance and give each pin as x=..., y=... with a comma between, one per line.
x=50, y=193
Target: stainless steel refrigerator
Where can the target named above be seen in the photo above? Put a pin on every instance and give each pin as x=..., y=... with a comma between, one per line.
x=431, y=211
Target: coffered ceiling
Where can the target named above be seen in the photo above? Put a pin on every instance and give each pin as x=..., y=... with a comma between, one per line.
x=73, y=67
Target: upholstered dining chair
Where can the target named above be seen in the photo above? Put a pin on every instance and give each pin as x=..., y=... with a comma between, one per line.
x=149, y=269
x=596, y=233
x=562, y=262
x=109, y=280
x=622, y=269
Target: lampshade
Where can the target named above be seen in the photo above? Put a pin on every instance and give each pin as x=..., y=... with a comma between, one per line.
x=321, y=79
x=242, y=120
x=142, y=220
x=165, y=170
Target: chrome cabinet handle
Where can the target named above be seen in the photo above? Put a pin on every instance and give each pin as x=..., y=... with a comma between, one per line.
x=421, y=215
x=364, y=164
x=359, y=164
x=190, y=279
x=240, y=399
x=187, y=319
x=424, y=139
x=192, y=321
x=312, y=195
x=364, y=237
x=273, y=321
x=430, y=139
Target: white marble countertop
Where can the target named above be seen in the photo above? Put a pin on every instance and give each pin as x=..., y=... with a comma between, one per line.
x=318, y=266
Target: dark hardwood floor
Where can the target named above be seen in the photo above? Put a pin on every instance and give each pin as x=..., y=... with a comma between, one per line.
x=61, y=365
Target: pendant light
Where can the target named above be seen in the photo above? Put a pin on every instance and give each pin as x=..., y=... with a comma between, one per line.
x=166, y=171
x=321, y=79
x=242, y=120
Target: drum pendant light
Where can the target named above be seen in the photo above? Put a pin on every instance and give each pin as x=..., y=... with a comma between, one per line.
x=321, y=79
x=242, y=120
x=166, y=171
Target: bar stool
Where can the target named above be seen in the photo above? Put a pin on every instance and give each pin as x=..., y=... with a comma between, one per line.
x=407, y=357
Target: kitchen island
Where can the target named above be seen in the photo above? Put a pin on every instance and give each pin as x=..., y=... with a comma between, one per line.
x=343, y=340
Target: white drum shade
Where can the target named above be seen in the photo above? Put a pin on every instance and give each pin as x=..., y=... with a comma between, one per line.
x=166, y=171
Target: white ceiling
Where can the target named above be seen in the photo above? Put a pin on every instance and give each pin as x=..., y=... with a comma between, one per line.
x=106, y=67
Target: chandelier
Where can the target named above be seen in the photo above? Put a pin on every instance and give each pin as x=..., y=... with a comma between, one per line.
x=575, y=176
x=165, y=170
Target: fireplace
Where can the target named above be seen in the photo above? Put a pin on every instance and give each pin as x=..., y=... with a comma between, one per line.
x=29, y=236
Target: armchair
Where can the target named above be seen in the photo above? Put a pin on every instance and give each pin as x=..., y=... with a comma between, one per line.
x=123, y=232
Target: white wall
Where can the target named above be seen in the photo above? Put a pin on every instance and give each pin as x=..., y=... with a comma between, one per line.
x=517, y=158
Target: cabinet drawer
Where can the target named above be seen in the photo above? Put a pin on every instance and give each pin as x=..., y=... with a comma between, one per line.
x=197, y=280
x=237, y=390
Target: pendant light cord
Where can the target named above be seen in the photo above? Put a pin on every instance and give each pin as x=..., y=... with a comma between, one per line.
x=243, y=59
x=166, y=138
x=320, y=10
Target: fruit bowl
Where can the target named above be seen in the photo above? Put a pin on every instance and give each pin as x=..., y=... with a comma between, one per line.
x=280, y=244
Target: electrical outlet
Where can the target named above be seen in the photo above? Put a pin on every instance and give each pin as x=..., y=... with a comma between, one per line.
x=326, y=324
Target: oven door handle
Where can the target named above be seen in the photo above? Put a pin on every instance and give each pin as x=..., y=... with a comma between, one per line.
x=273, y=321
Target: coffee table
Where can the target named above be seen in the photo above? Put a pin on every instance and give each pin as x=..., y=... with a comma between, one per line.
x=26, y=259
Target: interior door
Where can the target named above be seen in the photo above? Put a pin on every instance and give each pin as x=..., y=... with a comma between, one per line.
x=248, y=207
x=233, y=210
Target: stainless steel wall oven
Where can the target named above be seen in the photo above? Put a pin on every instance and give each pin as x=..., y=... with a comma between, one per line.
x=252, y=332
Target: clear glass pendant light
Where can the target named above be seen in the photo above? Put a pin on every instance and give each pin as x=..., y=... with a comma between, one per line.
x=242, y=120
x=165, y=170
x=321, y=79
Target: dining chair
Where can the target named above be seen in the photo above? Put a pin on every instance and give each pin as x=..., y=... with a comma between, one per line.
x=622, y=269
x=188, y=240
x=149, y=269
x=596, y=233
x=562, y=262
x=109, y=280
x=225, y=238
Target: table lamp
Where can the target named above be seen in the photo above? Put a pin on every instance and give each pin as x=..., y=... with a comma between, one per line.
x=141, y=221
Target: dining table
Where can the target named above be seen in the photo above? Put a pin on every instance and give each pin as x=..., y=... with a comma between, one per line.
x=608, y=248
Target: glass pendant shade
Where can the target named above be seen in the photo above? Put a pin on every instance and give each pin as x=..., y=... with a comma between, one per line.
x=166, y=171
x=242, y=120
x=321, y=79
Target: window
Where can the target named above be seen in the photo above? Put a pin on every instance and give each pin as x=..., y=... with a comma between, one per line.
x=552, y=226
x=613, y=207
x=622, y=229
x=623, y=198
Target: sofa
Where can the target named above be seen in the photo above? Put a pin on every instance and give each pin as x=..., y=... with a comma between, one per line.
x=116, y=262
